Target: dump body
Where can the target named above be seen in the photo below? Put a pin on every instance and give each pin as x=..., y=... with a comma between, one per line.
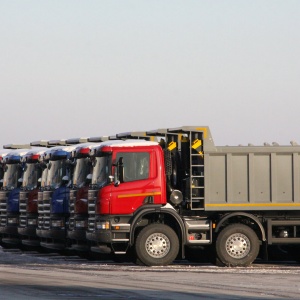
x=252, y=178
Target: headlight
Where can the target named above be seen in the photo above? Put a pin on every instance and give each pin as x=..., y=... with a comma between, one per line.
x=80, y=224
x=12, y=221
x=102, y=225
x=32, y=222
x=57, y=223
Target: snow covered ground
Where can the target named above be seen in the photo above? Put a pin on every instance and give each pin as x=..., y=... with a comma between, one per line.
x=48, y=276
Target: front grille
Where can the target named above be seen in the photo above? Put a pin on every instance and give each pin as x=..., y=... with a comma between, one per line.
x=23, y=199
x=47, y=195
x=92, y=196
x=3, y=207
x=40, y=210
x=72, y=201
x=46, y=202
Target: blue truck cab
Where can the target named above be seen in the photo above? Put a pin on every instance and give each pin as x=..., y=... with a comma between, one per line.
x=13, y=169
x=54, y=207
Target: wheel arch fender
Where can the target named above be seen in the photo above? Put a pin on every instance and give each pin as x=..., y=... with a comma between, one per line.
x=242, y=214
x=166, y=210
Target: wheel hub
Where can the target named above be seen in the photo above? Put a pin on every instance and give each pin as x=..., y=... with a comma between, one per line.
x=157, y=245
x=238, y=245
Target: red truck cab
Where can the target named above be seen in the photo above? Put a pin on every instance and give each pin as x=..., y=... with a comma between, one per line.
x=133, y=176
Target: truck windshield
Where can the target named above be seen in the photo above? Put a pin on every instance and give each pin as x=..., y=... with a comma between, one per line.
x=100, y=171
x=1, y=172
x=55, y=173
x=81, y=170
x=30, y=177
x=44, y=177
x=11, y=176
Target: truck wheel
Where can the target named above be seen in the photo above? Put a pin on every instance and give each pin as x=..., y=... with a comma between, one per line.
x=157, y=245
x=237, y=245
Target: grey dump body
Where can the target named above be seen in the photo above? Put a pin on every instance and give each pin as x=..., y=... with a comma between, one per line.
x=250, y=177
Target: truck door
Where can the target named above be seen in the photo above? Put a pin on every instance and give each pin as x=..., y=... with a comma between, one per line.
x=137, y=187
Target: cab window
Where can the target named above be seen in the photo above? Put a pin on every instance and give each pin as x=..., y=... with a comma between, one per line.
x=136, y=165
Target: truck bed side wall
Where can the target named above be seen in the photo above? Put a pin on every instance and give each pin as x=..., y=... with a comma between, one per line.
x=252, y=178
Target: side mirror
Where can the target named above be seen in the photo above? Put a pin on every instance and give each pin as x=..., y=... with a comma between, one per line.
x=71, y=162
x=65, y=180
x=93, y=161
x=119, y=173
x=42, y=165
x=112, y=180
x=117, y=183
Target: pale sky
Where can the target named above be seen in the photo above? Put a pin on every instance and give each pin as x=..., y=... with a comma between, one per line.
x=78, y=68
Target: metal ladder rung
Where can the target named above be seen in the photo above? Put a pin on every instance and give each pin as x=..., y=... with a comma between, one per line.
x=196, y=167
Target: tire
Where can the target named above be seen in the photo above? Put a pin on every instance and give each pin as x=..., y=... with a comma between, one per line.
x=237, y=246
x=157, y=245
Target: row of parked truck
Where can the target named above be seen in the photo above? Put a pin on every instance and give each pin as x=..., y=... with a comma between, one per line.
x=152, y=197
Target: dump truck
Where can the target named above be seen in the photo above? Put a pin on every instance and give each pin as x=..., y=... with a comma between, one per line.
x=9, y=195
x=78, y=205
x=98, y=170
x=31, y=195
x=3, y=153
x=83, y=182
x=34, y=172
x=53, y=200
x=34, y=181
x=160, y=199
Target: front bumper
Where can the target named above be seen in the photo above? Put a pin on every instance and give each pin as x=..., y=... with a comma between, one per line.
x=27, y=231
x=11, y=230
x=59, y=234
x=100, y=236
x=77, y=234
